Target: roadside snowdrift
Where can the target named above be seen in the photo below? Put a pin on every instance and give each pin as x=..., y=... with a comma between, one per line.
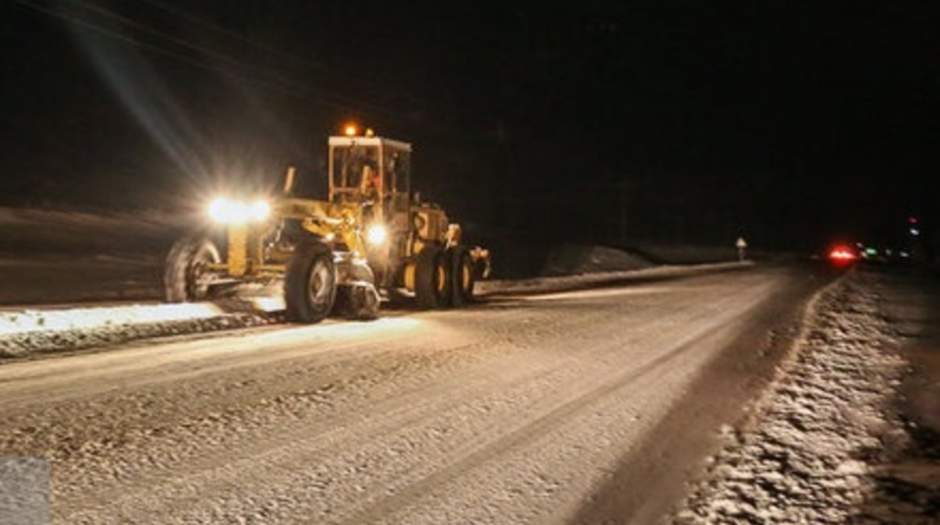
x=812, y=454
x=24, y=332
x=569, y=282
x=572, y=259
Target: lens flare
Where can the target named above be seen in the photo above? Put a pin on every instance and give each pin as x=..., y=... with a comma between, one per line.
x=227, y=211
x=376, y=234
x=260, y=210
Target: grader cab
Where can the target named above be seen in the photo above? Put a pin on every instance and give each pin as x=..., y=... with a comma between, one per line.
x=373, y=237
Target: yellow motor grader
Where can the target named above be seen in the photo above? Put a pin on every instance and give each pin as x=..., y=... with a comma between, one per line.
x=372, y=238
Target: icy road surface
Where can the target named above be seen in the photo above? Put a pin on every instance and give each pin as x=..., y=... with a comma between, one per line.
x=520, y=410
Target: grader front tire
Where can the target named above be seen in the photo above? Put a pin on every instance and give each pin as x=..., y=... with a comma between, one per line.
x=185, y=275
x=310, y=283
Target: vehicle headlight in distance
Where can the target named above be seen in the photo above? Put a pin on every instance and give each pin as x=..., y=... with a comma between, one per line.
x=376, y=234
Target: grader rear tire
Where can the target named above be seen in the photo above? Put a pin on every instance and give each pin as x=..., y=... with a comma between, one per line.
x=185, y=275
x=432, y=278
x=463, y=276
x=310, y=283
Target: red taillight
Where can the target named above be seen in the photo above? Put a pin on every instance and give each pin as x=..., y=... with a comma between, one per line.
x=841, y=254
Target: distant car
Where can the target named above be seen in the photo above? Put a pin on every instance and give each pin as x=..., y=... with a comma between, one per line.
x=842, y=255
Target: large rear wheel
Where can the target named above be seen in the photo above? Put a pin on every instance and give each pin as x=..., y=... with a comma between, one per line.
x=186, y=276
x=310, y=283
x=463, y=276
x=432, y=278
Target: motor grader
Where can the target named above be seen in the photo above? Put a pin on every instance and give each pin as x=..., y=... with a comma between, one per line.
x=371, y=239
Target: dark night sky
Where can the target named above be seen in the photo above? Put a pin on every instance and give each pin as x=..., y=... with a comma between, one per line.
x=789, y=125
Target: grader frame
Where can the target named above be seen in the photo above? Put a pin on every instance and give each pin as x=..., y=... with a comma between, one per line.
x=371, y=236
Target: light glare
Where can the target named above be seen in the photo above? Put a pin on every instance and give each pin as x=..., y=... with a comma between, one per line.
x=260, y=210
x=842, y=254
x=227, y=211
x=376, y=234
x=222, y=210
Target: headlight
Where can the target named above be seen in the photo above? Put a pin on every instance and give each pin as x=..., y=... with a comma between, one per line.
x=227, y=211
x=260, y=210
x=222, y=210
x=376, y=234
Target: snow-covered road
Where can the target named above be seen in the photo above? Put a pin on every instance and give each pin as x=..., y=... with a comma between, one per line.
x=29, y=330
x=524, y=409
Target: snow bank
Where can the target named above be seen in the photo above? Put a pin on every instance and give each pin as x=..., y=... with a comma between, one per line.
x=71, y=319
x=569, y=282
x=676, y=253
x=820, y=431
x=572, y=259
x=23, y=332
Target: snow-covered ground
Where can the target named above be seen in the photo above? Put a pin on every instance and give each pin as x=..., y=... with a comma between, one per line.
x=36, y=330
x=569, y=259
x=31, y=331
x=517, y=411
x=578, y=280
x=55, y=257
x=685, y=253
x=817, y=449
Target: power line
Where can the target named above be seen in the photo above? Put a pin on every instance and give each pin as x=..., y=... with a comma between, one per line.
x=286, y=87
x=370, y=104
x=304, y=94
x=234, y=34
x=194, y=19
x=133, y=42
x=176, y=40
x=320, y=66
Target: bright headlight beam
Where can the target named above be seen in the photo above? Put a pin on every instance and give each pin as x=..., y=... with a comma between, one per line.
x=220, y=210
x=227, y=211
x=260, y=210
x=376, y=234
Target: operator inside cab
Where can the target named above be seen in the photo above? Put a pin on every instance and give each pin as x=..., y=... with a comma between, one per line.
x=370, y=184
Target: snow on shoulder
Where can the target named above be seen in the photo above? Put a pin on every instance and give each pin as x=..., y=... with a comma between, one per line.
x=823, y=429
x=28, y=331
